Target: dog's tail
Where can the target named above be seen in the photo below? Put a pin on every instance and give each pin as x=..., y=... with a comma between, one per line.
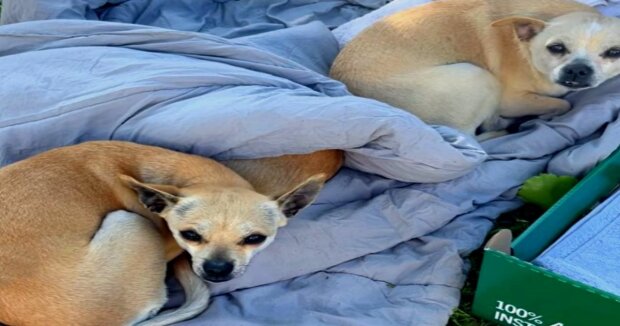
x=196, y=297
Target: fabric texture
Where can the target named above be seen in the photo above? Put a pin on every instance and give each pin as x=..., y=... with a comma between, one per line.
x=588, y=252
x=384, y=243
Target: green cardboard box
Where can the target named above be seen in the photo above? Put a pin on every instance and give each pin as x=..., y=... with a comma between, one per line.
x=512, y=291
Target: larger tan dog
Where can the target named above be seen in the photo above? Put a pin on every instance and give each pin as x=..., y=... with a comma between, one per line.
x=464, y=63
x=62, y=263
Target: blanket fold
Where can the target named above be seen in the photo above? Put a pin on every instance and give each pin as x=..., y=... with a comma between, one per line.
x=384, y=242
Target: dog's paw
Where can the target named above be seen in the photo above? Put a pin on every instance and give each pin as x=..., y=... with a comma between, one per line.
x=562, y=107
x=490, y=135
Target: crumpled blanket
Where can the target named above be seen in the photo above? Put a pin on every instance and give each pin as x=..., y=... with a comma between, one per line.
x=385, y=242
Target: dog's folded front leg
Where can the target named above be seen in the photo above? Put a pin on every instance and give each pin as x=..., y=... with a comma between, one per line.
x=518, y=105
x=172, y=248
x=196, y=296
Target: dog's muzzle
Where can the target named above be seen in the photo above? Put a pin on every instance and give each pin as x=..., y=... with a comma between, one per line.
x=217, y=270
x=576, y=75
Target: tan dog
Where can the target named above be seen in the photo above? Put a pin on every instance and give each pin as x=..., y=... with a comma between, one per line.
x=273, y=176
x=464, y=63
x=62, y=263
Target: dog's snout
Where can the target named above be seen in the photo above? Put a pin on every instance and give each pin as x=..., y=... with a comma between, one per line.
x=578, y=70
x=218, y=270
x=576, y=75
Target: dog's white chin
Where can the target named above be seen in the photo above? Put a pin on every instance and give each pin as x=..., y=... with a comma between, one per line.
x=571, y=89
x=239, y=271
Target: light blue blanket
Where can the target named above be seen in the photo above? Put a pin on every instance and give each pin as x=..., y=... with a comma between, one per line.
x=384, y=243
x=589, y=252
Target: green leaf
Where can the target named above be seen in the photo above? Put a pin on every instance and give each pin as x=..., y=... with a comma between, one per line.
x=546, y=189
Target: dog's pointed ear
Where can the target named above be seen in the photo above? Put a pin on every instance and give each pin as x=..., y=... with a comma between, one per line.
x=156, y=198
x=301, y=196
x=525, y=27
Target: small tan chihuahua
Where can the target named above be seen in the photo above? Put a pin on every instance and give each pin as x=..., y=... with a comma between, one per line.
x=63, y=263
x=465, y=63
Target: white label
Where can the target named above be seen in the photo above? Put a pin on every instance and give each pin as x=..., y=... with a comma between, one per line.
x=510, y=314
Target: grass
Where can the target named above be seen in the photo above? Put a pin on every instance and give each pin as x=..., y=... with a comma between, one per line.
x=517, y=221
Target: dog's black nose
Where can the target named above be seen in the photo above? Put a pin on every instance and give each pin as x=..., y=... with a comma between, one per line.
x=576, y=75
x=217, y=270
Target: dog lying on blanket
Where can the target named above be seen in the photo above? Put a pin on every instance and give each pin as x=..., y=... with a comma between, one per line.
x=274, y=176
x=465, y=63
x=62, y=263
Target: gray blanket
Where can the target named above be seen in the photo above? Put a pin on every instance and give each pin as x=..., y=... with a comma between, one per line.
x=385, y=241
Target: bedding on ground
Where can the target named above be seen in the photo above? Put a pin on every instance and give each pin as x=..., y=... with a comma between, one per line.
x=386, y=241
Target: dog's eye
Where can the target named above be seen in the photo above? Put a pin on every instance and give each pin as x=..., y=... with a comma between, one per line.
x=557, y=48
x=191, y=235
x=254, y=239
x=612, y=53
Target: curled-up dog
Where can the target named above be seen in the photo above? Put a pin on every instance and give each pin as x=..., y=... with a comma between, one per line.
x=469, y=63
x=87, y=231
